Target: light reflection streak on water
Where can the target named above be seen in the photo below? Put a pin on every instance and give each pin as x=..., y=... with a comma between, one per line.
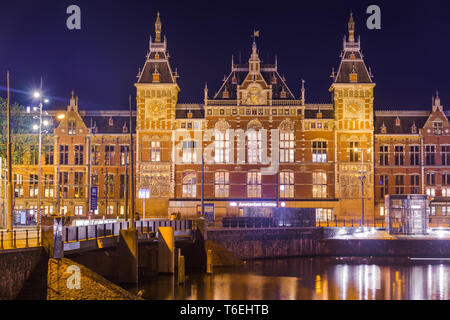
x=301, y=279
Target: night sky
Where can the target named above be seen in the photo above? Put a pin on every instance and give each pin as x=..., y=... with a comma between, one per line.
x=409, y=56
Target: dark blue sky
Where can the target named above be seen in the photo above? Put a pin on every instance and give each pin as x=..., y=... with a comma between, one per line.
x=409, y=56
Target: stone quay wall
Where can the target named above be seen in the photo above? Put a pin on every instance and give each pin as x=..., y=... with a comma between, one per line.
x=15, y=269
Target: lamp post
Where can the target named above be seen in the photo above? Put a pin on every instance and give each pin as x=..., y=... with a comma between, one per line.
x=362, y=176
x=38, y=95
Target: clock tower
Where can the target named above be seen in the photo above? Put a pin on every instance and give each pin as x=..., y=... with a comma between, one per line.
x=352, y=95
x=157, y=96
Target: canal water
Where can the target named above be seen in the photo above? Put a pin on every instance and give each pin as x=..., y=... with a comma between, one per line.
x=310, y=279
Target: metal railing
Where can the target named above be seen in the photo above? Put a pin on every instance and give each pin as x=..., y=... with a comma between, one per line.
x=19, y=239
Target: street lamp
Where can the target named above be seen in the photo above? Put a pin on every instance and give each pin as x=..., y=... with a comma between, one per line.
x=38, y=95
x=362, y=176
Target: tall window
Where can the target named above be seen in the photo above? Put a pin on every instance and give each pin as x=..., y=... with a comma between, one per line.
x=446, y=179
x=18, y=185
x=430, y=152
x=254, y=184
x=414, y=184
x=79, y=155
x=63, y=184
x=48, y=186
x=109, y=155
x=254, y=151
x=124, y=155
x=189, y=152
x=33, y=155
x=414, y=155
x=78, y=185
x=399, y=184
x=189, y=184
x=72, y=127
x=384, y=155
x=398, y=155
x=156, y=151
x=63, y=154
x=445, y=155
x=384, y=185
x=431, y=179
x=95, y=154
x=431, y=192
x=354, y=154
x=49, y=154
x=33, y=185
x=437, y=127
x=222, y=147
x=222, y=184
x=287, y=150
x=78, y=210
x=319, y=151
x=287, y=184
x=109, y=185
x=122, y=186
x=319, y=179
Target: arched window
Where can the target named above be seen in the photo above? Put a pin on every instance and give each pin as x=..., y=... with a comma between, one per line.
x=189, y=184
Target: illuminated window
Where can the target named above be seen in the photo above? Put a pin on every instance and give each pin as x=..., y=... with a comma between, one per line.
x=189, y=185
x=122, y=210
x=49, y=154
x=78, y=185
x=319, y=179
x=110, y=210
x=287, y=150
x=354, y=155
x=254, y=151
x=124, y=155
x=48, y=186
x=431, y=192
x=78, y=210
x=79, y=155
x=446, y=192
x=222, y=184
x=156, y=151
x=287, y=184
x=109, y=155
x=18, y=185
x=319, y=151
x=437, y=127
x=189, y=152
x=222, y=147
x=95, y=154
x=72, y=127
x=63, y=184
x=254, y=184
x=33, y=185
x=323, y=214
x=109, y=185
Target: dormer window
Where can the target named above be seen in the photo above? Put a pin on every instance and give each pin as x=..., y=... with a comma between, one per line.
x=283, y=94
x=157, y=56
x=274, y=79
x=234, y=79
x=437, y=127
x=413, y=128
x=353, y=77
x=124, y=128
x=226, y=94
x=110, y=122
x=319, y=115
x=397, y=122
x=72, y=127
x=352, y=56
x=189, y=115
x=156, y=75
x=383, y=128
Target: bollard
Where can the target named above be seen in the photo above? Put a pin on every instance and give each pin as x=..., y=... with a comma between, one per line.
x=209, y=265
x=181, y=270
x=26, y=238
x=14, y=237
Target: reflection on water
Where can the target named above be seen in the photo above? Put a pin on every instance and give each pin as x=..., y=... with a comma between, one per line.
x=312, y=279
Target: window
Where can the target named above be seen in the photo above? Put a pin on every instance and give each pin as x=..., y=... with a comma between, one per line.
x=319, y=151
x=431, y=179
x=399, y=184
x=384, y=185
x=445, y=211
x=33, y=154
x=121, y=210
x=48, y=154
x=414, y=155
x=398, y=155
x=78, y=185
x=222, y=184
x=437, y=127
x=94, y=178
x=72, y=127
x=445, y=155
x=446, y=191
x=110, y=210
x=156, y=151
x=414, y=184
x=63, y=154
x=109, y=155
x=446, y=179
x=124, y=155
x=189, y=152
x=109, y=185
x=323, y=214
x=33, y=185
x=78, y=210
x=48, y=210
x=63, y=210
x=63, y=184
x=254, y=154
x=431, y=192
x=319, y=184
x=384, y=155
x=48, y=186
x=189, y=185
x=287, y=184
x=95, y=155
x=287, y=146
x=430, y=155
x=122, y=186
x=254, y=184
x=79, y=155
x=18, y=185
x=353, y=152
x=221, y=147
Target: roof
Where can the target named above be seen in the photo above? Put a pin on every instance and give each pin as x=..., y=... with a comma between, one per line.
x=407, y=119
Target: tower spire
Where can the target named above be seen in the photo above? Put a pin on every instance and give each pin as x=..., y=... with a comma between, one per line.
x=158, y=29
x=351, y=28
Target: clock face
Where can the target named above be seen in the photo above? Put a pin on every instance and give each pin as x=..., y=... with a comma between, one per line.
x=353, y=110
x=155, y=110
x=254, y=96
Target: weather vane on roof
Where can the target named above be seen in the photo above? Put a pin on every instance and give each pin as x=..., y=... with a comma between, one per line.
x=255, y=35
